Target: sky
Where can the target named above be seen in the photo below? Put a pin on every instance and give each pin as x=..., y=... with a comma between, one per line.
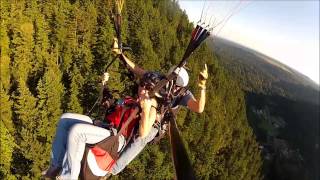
x=287, y=31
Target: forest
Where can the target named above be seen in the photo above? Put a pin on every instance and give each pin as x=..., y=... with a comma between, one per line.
x=53, y=54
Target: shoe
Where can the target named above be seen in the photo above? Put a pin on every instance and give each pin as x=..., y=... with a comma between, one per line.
x=105, y=177
x=52, y=172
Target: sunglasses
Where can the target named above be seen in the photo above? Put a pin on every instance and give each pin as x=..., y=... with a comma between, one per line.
x=146, y=86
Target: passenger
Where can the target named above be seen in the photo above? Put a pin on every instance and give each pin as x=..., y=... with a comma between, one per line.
x=80, y=131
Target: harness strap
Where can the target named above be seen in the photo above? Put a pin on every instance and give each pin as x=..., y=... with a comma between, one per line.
x=129, y=120
x=132, y=132
x=124, y=109
x=162, y=126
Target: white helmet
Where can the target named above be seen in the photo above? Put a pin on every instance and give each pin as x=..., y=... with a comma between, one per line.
x=183, y=77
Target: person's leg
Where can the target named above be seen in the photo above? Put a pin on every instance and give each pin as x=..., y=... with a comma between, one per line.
x=132, y=150
x=67, y=120
x=80, y=135
x=59, y=143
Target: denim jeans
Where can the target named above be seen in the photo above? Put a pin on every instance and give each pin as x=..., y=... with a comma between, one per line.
x=79, y=136
x=59, y=144
x=66, y=125
x=132, y=150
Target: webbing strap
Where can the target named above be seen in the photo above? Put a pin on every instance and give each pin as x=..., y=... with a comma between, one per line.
x=124, y=109
x=131, y=117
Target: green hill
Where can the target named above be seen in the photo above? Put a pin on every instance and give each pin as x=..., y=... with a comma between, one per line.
x=282, y=108
x=52, y=56
x=259, y=73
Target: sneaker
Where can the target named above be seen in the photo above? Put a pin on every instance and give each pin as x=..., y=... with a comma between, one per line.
x=52, y=172
x=105, y=177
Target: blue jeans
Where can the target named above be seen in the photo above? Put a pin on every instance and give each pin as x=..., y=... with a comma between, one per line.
x=132, y=150
x=80, y=135
x=59, y=144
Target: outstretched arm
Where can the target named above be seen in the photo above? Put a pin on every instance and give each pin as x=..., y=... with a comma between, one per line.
x=198, y=105
x=138, y=71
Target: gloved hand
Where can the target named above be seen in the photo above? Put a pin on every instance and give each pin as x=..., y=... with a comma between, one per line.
x=105, y=78
x=115, y=47
x=203, y=76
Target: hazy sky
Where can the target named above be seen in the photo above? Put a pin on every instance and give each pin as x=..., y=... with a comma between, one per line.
x=285, y=30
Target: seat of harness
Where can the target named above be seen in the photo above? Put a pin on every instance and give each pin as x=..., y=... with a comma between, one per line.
x=120, y=113
x=93, y=157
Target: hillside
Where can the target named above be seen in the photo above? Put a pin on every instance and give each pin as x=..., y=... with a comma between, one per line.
x=262, y=74
x=282, y=108
x=53, y=54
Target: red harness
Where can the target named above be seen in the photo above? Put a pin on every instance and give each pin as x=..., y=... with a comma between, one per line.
x=121, y=114
x=105, y=152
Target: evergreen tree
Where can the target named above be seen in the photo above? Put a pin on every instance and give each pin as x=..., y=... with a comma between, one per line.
x=50, y=93
x=42, y=45
x=77, y=81
x=25, y=115
x=7, y=144
x=23, y=45
x=7, y=130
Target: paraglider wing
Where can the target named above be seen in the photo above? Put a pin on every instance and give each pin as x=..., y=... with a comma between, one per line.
x=182, y=164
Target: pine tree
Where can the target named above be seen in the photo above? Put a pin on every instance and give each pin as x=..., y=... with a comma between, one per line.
x=42, y=45
x=77, y=81
x=7, y=130
x=7, y=141
x=23, y=45
x=50, y=93
x=25, y=115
